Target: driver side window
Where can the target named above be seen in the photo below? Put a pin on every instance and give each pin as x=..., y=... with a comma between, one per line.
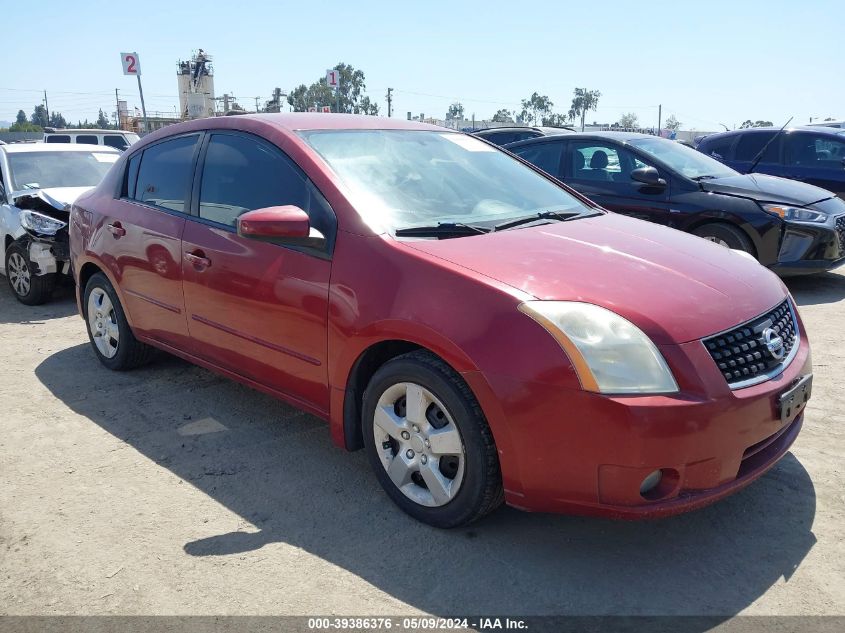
x=602, y=162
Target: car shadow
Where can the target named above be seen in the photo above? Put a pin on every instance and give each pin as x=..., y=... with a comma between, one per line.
x=816, y=289
x=62, y=303
x=277, y=469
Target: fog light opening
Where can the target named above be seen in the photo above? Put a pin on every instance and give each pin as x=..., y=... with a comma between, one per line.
x=651, y=482
x=660, y=484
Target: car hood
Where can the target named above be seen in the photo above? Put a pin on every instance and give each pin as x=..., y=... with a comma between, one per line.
x=674, y=286
x=764, y=188
x=56, y=197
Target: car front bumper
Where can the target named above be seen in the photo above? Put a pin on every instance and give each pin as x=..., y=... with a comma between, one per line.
x=584, y=453
x=809, y=248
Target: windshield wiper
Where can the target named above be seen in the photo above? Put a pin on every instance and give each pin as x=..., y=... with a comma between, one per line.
x=704, y=177
x=441, y=229
x=542, y=215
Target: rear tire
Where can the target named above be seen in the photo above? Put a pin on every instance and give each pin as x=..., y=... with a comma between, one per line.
x=437, y=460
x=28, y=288
x=111, y=337
x=726, y=235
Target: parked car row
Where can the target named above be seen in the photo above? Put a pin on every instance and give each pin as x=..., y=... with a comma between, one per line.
x=480, y=327
x=791, y=227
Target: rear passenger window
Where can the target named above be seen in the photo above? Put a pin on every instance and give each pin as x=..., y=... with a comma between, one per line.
x=720, y=149
x=546, y=156
x=58, y=138
x=750, y=144
x=241, y=174
x=87, y=139
x=165, y=173
x=116, y=141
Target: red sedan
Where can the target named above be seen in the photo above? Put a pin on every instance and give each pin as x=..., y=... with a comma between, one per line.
x=485, y=333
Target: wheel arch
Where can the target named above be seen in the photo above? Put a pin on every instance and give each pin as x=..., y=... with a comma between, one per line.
x=729, y=220
x=87, y=270
x=376, y=346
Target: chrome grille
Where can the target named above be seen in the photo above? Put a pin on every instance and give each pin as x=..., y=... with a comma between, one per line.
x=743, y=355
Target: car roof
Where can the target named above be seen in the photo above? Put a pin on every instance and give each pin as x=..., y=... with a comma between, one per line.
x=619, y=137
x=508, y=128
x=830, y=131
x=303, y=121
x=20, y=148
x=84, y=131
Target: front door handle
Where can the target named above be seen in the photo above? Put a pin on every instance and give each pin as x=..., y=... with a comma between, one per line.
x=116, y=229
x=198, y=259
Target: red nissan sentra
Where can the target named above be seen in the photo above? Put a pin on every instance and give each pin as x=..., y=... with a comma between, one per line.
x=485, y=333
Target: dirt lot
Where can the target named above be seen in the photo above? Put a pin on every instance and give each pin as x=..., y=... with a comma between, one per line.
x=169, y=490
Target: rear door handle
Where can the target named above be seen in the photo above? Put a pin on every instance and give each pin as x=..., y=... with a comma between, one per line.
x=198, y=259
x=116, y=229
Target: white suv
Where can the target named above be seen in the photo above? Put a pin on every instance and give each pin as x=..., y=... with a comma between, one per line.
x=118, y=139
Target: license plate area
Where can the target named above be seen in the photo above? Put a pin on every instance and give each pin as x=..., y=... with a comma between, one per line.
x=792, y=401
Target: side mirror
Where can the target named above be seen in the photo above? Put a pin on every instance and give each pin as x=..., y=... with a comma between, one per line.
x=648, y=176
x=283, y=225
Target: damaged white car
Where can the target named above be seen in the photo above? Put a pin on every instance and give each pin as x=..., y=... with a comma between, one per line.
x=39, y=183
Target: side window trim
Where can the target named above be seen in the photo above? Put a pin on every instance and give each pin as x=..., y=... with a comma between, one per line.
x=196, y=188
x=140, y=152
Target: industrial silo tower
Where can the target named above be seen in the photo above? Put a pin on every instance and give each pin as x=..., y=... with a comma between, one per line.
x=196, y=86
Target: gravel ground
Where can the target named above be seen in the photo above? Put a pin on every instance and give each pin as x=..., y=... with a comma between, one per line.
x=170, y=490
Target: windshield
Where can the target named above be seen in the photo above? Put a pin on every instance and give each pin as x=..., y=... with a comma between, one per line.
x=685, y=160
x=402, y=178
x=42, y=170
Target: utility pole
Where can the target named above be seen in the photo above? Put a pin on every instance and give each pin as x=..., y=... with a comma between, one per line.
x=389, y=102
x=225, y=102
x=46, y=107
x=117, y=112
x=143, y=107
x=256, y=104
x=659, y=117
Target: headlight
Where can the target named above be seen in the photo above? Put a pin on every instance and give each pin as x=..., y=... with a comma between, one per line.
x=40, y=223
x=799, y=214
x=609, y=353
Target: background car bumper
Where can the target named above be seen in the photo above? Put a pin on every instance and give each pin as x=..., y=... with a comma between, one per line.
x=809, y=249
x=584, y=453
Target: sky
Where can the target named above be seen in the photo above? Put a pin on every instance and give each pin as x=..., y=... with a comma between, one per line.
x=708, y=63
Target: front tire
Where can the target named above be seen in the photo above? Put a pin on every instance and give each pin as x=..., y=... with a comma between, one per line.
x=108, y=330
x=428, y=442
x=28, y=288
x=725, y=235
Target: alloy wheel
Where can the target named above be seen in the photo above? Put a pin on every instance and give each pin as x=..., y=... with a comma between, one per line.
x=20, y=276
x=102, y=322
x=419, y=444
x=716, y=240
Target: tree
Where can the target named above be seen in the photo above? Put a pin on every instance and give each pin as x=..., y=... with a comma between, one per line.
x=39, y=116
x=350, y=97
x=584, y=101
x=21, y=118
x=455, y=111
x=555, y=120
x=102, y=121
x=672, y=123
x=26, y=126
x=503, y=116
x=536, y=107
x=57, y=120
x=748, y=124
x=629, y=120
